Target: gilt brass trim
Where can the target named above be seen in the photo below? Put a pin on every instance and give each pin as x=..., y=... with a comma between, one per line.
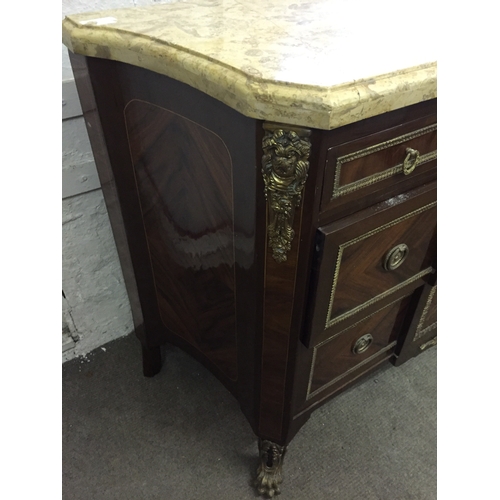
x=381, y=296
x=426, y=330
x=329, y=339
x=430, y=343
x=372, y=179
x=357, y=322
x=285, y=165
x=310, y=395
x=329, y=322
x=420, y=332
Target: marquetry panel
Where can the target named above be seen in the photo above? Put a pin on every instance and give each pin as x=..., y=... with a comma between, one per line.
x=354, y=273
x=369, y=165
x=378, y=158
x=335, y=358
x=184, y=179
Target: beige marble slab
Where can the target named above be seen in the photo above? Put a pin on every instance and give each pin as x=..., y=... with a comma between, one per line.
x=316, y=63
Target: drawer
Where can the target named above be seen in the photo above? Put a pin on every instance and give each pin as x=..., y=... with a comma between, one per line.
x=395, y=159
x=428, y=319
x=370, y=258
x=350, y=352
x=422, y=332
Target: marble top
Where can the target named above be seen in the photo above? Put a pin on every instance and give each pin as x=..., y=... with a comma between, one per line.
x=316, y=63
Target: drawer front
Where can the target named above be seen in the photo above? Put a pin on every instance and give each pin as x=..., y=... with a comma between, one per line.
x=370, y=257
x=422, y=331
x=349, y=352
x=358, y=169
x=428, y=320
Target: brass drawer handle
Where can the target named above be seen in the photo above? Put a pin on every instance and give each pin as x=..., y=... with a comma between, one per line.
x=395, y=257
x=411, y=160
x=362, y=344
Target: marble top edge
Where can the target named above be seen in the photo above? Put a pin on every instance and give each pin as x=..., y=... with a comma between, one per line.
x=213, y=56
x=264, y=80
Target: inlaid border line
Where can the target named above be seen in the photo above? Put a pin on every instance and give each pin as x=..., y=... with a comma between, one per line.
x=372, y=179
x=421, y=332
x=329, y=339
x=342, y=246
x=342, y=375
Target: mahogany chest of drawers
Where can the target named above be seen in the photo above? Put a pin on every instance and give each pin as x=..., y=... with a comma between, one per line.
x=290, y=260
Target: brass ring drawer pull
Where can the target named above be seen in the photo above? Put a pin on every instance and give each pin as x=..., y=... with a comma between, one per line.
x=395, y=257
x=362, y=344
x=411, y=160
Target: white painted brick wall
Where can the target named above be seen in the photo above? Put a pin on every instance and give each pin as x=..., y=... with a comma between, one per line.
x=77, y=6
x=96, y=308
x=96, y=299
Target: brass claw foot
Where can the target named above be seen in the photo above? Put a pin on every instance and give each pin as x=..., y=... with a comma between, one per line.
x=269, y=473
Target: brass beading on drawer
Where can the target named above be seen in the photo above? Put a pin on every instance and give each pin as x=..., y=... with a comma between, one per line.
x=406, y=166
x=430, y=343
x=330, y=321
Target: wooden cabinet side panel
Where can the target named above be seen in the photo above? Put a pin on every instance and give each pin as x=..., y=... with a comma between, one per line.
x=114, y=85
x=183, y=173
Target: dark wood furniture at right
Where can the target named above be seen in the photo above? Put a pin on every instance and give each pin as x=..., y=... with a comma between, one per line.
x=200, y=198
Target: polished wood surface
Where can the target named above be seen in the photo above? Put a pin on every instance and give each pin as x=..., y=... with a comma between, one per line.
x=184, y=179
x=350, y=277
x=334, y=358
x=360, y=251
x=107, y=90
x=285, y=292
x=303, y=406
x=370, y=134
x=181, y=175
x=380, y=161
x=421, y=330
x=278, y=306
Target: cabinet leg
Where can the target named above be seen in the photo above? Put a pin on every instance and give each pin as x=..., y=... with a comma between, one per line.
x=151, y=360
x=269, y=472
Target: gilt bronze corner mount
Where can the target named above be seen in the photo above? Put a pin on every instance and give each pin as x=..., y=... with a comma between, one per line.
x=285, y=166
